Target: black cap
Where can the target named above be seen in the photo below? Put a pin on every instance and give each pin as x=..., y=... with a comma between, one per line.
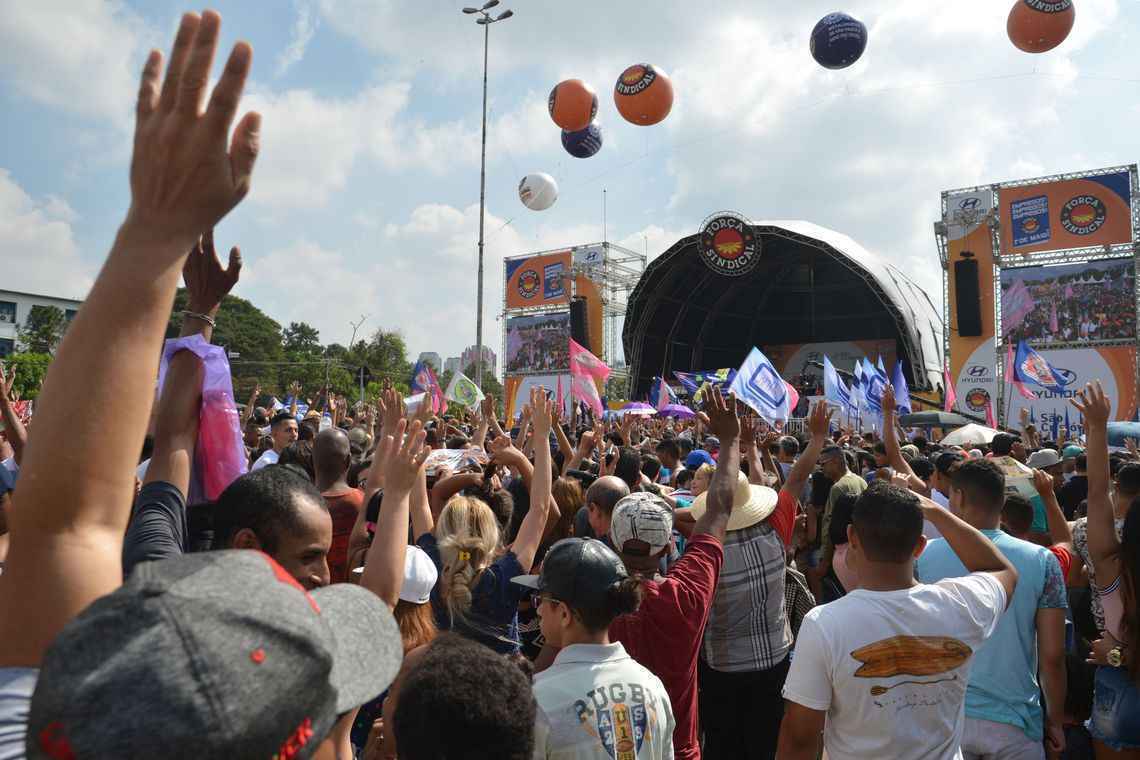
x=1003, y=442
x=578, y=571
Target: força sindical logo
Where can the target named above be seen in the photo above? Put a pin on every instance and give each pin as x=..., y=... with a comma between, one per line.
x=529, y=284
x=1049, y=6
x=636, y=78
x=977, y=399
x=728, y=244
x=1083, y=214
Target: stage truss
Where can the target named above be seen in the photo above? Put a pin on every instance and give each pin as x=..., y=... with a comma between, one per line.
x=1003, y=260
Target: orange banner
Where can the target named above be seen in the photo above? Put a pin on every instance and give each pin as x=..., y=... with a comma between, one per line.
x=542, y=280
x=1074, y=213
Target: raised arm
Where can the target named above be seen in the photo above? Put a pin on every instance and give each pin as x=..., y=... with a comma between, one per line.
x=384, y=563
x=14, y=429
x=975, y=551
x=720, y=416
x=530, y=532
x=248, y=415
x=1059, y=531
x=818, y=421
x=891, y=442
x=563, y=441
x=1104, y=546
x=67, y=532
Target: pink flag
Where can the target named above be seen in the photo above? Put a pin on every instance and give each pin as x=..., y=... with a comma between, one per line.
x=561, y=406
x=793, y=397
x=585, y=369
x=1015, y=304
x=1053, y=319
x=438, y=402
x=951, y=396
x=990, y=421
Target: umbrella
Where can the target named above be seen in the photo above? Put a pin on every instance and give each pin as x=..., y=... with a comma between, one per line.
x=969, y=435
x=677, y=410
x=933, y=419
x=639, y=407
x=1118, y=431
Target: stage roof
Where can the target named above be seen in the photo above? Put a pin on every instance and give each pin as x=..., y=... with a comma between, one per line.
x=811, y=285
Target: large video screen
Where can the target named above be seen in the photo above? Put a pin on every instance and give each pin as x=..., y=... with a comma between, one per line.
x=538, y=343
x=1092, y=302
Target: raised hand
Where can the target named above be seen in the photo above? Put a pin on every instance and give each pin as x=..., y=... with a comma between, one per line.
x=748, y=431
x=586, y=443
x=540, y=412
x=820, y=419
x=184, y=176
x=888, y=400
x=295, y=389
x=206, y=282
x=406, y=459
x=1042, y=482
x=1093, y=404
x=7, y=380
x=391, y=409
x=720, y=415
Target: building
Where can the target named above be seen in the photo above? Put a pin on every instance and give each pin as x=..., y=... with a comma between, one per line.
x=15, y=307
x=451, y=365
x=471, y=352
x=433, y=360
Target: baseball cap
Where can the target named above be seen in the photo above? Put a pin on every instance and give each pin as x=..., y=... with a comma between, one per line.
x=641, y=524
x=420, y=575
x=1072, y=452
x=578, y=571
x=212, y=654
x=712, y=443
x=1039, y=460
x=697, y=458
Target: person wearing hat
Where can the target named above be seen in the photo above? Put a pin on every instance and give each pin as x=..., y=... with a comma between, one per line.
x=214, y=654
x=744, y=653
x=594, y=701
x=1069, y=456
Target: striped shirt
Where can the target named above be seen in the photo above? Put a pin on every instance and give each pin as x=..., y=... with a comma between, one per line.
x=748, y=628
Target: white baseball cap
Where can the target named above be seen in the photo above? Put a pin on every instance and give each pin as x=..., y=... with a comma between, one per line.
x=420, y=576
x=643, y=517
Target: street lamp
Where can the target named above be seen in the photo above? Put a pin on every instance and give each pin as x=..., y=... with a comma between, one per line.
x=485, y=20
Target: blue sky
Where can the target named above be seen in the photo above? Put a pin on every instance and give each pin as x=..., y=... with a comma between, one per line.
x=365, y=198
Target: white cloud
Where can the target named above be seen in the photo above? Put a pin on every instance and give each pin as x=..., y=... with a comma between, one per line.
x=37, y=239
x=81, y=56
x=304, y=27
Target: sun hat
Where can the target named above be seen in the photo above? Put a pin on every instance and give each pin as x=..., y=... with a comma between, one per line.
x=641, y=524
x=1039, y=460
x=578, y=571
x=212, y=654
x=750, y=504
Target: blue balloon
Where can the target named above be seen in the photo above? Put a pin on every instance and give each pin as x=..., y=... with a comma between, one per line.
x=583, y=143
x=838, y=41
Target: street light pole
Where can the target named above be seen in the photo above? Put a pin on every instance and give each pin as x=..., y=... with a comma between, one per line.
x=485, y=20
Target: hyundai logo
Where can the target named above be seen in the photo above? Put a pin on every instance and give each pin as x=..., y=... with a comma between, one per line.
x=1066, y=376
x=977, y=370
x=969, y=203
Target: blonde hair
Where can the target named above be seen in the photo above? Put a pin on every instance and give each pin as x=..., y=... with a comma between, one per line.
x=468, y=538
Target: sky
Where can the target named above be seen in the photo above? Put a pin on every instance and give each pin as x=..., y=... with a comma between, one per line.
x=365, y=199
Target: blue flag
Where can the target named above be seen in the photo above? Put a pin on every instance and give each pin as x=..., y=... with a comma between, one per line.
x=1068, y=430
x=1031, y=367
x=758, y=384
x=858, y=397
x=660, y=394
x=902, y=392
x=1056, y=424
x=873, y=387
x=835, y=390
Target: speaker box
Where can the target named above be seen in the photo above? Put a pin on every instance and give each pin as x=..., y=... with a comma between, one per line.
x=968, y=302
x=580, y=324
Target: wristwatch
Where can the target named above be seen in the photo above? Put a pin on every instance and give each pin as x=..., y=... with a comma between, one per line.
x=1115, y=657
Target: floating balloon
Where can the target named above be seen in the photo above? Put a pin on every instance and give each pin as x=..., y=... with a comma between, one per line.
x=1035, y=26
x=643, y=94
x=573, y=104
x=583, y=143
x=838, y=40
x=538, y=191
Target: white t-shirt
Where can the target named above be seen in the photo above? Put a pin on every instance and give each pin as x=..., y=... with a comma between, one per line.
x=890, y=667
x=928, y=528
x=16, y=687
x=596, y=703
x=269, y=457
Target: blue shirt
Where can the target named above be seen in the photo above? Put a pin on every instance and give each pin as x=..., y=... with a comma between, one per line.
x=1003, y=680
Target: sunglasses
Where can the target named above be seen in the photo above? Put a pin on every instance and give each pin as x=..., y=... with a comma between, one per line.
x=537, y=598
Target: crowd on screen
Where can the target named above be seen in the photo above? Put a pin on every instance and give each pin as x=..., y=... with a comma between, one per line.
x=543, y=347
x=576, y=588
x=1067, y=308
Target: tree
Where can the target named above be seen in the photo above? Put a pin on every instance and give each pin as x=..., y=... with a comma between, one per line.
x=385, y=354
x=301, y=339
x=30, y=372
x=43, y=330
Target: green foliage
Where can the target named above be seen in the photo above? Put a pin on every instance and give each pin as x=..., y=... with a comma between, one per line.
x=301, y=340
x=30, y=371
x=43, y=330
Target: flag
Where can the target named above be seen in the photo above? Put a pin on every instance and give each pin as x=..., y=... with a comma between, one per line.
x=835, y=390
x=902, y=392
x=1056, y=424
x=1032, y=416
x=1031, y=367
x=1016, y=303
x=423, y=380
x=879, y=365
x=586, y=370
x=412, y=403
x=951, y=395
x=1068, y=430
x=793, y=398
x=694, y=382
x=463, y=390
x=990, y=420
x=758, y=384
x=873, y=387
x=660, y=394
x=1053, y=318
x=1014, y=379
x=858, y=397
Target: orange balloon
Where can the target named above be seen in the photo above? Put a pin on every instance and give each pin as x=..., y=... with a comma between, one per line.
x=573, y=104
x=1039, y=25
x=643, y=94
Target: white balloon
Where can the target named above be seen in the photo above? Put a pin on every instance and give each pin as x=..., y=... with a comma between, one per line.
x=538, y=191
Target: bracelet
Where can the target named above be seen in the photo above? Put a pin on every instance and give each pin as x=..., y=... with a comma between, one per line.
x=201, y=317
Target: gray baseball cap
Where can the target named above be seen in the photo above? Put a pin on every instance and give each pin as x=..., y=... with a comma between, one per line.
x=215, y=654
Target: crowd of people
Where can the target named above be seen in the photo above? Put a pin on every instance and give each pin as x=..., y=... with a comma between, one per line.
x=538, y=344
x=1068, y=308
x=637, y=588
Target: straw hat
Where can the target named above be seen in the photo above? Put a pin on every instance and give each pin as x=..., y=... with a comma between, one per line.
x=750, y=504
